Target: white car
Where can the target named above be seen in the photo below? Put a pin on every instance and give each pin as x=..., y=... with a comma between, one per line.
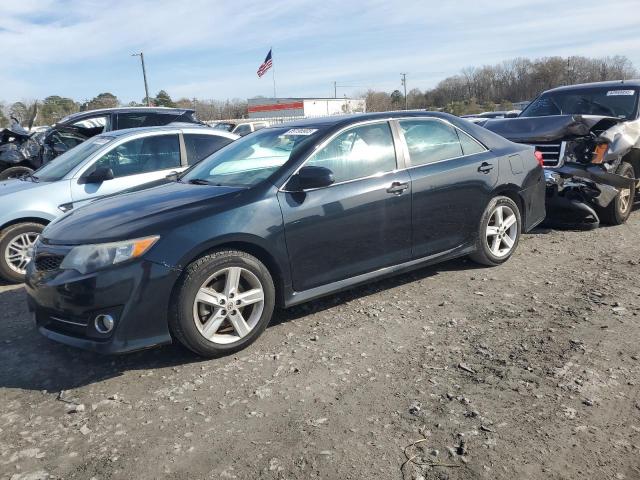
x=103, y=165
x=240, y=128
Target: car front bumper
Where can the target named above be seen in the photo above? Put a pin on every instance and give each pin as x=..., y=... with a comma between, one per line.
x=136, y=295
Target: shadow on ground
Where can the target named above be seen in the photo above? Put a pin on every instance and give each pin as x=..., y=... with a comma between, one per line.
x=31, y=362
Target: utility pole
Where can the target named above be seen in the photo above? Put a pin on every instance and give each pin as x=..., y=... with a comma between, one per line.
x=335, y=89
x=404, y=84
x=144, y=75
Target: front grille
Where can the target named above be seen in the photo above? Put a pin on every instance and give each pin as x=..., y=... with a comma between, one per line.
x=48, y=263
x=552, y=153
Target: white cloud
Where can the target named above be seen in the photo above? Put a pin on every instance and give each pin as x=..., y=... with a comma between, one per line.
x=212, y=49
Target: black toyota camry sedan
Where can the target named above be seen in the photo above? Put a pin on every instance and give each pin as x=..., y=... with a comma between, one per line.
x=282, y=216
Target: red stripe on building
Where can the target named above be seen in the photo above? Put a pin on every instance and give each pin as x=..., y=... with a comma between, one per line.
x=276, y=106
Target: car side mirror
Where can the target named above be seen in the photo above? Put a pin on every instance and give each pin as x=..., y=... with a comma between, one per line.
x=60, y=148
x=313, y=177
x=99, y=175
x=173, y=176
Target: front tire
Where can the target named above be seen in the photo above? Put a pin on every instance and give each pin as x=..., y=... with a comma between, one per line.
x=222, y=303
x=498, y=233
x=15, y=242
x=15, y=172
x=618, y=211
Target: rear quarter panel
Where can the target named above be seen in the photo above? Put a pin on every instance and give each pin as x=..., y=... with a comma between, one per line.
x=521, y=173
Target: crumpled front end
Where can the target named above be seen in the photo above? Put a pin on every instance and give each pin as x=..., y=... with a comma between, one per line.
x=19, y=147
x=581, y=155
x=575, y=193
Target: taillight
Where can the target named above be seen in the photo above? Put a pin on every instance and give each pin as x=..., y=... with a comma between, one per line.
x=539, y=157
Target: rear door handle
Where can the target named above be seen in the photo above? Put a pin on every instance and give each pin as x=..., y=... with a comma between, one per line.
x=397, y=188
x=485, y=167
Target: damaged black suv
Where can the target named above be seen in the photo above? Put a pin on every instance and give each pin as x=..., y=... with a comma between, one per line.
x=23, y=151
x=588, y=137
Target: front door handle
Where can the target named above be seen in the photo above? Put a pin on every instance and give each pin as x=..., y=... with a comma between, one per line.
x=485, y=167
x=397, y=188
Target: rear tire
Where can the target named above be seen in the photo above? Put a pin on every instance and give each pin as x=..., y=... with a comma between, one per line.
x=15, y=172
x=498, y=233
x=222, y=303
x=618, y=211
x=14, y=242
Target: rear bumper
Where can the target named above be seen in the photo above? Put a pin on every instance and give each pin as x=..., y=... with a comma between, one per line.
x=137, y=295
x=534, y=201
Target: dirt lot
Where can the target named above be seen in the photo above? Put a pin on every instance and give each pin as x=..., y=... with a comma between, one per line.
x=526, y=371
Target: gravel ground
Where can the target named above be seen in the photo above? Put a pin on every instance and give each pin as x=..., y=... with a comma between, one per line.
x=526, y=371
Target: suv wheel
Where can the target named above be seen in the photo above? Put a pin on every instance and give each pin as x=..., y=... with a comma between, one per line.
x=618, y=211
x=15, y=244
x=15, y=172
x=499, y=232
x=222, y=304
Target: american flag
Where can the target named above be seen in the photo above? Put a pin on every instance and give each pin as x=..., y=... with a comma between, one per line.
x=266, y=65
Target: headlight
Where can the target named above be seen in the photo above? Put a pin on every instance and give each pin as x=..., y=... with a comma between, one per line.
x=89, y=258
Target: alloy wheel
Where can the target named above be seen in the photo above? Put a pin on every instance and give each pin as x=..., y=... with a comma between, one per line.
x=502, y=231
x=228, y=305
x=18, y=252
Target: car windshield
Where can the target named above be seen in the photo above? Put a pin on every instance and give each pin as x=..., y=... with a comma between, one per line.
x=58, y=168
x=613, y=102
x=251, y=159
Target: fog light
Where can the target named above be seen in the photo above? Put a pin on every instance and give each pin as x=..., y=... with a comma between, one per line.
x=104, y=323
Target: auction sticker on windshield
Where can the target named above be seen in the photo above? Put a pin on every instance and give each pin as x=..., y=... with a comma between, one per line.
x=301, y=131
x=612, y=93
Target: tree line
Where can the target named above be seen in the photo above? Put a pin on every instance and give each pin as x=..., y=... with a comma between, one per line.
x=490, y=87
x=53, y=108
x=473, y=90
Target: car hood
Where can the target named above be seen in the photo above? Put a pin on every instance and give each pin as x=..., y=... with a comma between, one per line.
x=10, y=187
x=136, y=214
x=549, y=128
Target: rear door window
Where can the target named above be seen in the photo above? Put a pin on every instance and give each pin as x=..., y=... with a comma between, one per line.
x=200, y=146
x=142, y=155
x=430, y=141
x=469, y=144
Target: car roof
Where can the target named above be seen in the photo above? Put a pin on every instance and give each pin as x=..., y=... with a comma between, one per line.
x=184, y=127
x=90, y=113
x=344, y=120
x=603, y=85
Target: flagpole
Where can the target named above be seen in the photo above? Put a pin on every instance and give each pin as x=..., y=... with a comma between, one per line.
x=273, y=74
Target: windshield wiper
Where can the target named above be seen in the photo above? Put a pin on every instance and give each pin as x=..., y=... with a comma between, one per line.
x=30, y=176
x=200, y=181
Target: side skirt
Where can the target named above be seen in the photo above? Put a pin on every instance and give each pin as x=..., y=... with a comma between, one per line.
x=294, y=298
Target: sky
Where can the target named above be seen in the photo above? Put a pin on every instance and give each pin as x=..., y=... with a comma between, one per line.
x=212, y=49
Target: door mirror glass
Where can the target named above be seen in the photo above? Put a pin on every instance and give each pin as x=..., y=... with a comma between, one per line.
x=313, y=177
x=99, y=175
